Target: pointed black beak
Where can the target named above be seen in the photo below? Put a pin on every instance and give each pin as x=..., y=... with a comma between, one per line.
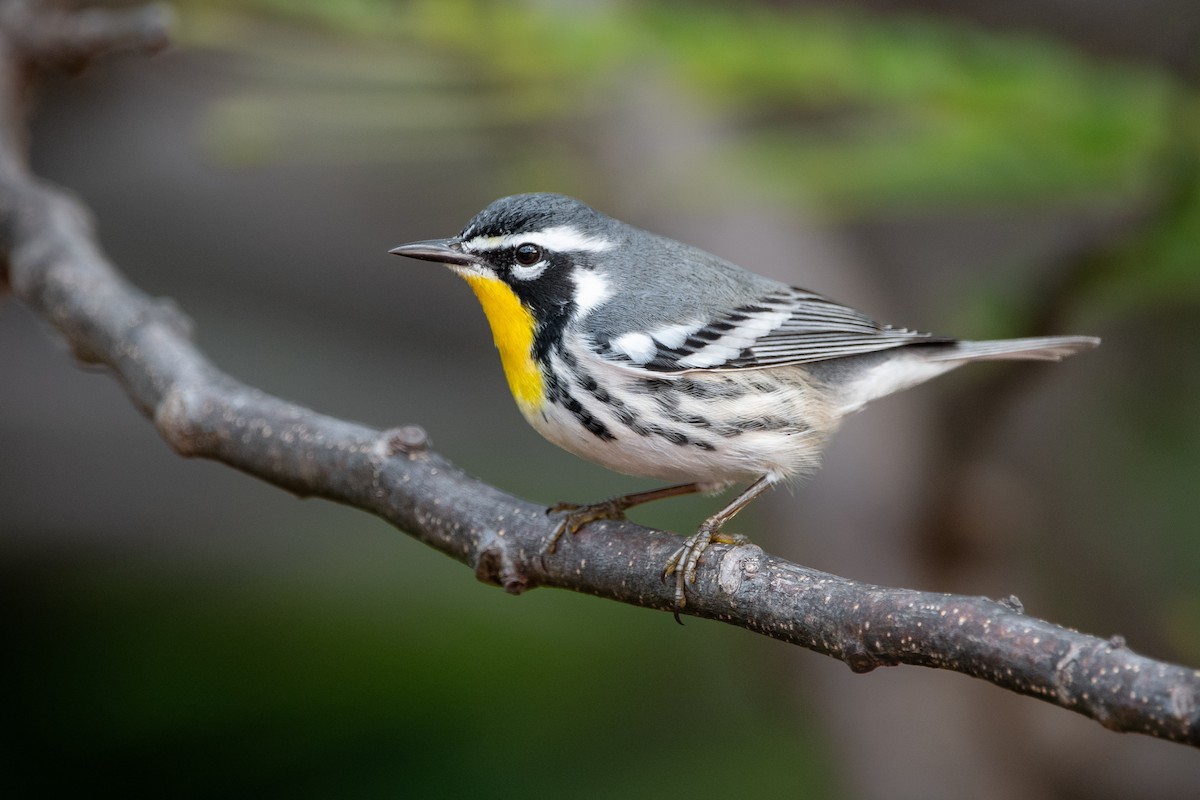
x=447, y=251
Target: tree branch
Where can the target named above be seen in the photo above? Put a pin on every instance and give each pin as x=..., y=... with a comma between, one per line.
x=56, y=267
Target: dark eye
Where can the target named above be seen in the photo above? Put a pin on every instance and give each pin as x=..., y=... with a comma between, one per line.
x=528, y=254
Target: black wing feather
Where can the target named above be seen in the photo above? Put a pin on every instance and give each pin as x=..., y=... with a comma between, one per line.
x=784, y=327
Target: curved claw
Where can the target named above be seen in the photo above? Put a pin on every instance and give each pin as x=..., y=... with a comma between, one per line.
x=576, y=516
x=685, y=561
x=612, y=508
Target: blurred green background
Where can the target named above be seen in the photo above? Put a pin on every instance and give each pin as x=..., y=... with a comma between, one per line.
x=966, y=168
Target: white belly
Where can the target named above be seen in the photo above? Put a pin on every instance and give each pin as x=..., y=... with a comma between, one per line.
x=711, y=428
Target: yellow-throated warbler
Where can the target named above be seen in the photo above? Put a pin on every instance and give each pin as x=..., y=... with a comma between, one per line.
x=657, y=359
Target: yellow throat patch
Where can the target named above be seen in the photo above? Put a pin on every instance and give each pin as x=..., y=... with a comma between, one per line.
x=512, y=330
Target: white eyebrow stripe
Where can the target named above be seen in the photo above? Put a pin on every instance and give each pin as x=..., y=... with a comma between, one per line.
x=559, y=239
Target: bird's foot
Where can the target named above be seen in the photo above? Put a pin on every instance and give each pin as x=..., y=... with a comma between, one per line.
x=575, y=516
x=684, y=562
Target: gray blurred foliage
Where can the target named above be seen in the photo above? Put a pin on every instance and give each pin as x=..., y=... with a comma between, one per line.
x=179, y=626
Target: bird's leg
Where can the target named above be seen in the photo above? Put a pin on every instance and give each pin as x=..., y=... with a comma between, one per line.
x=684, y=561
x=576, y=516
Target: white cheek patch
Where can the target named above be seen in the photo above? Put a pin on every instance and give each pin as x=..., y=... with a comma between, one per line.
x=558, y=239
x=591, y=290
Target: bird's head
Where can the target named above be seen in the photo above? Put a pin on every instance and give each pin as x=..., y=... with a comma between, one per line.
x=547, y=249
x=534, y=261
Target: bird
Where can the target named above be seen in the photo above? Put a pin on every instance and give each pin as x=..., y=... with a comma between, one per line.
x=659, y=360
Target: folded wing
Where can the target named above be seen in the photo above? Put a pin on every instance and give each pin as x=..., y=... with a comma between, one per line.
x=785, y=326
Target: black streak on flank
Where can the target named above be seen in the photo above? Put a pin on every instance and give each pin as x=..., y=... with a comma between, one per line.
x=626, y=417
x=559, y=394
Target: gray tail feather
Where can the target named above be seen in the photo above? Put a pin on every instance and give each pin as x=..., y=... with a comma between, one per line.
x=929, y=359
x=1037, y=348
